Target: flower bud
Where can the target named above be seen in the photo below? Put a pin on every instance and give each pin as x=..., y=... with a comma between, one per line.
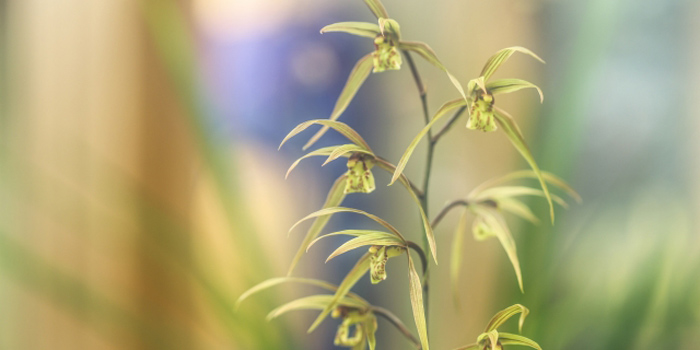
x=360, y=178
x=481, y=112
x=386, y=55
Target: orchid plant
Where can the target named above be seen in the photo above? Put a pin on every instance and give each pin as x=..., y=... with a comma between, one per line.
x=486, y=203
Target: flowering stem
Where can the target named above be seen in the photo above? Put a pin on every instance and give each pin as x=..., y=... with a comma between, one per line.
x=426, y=177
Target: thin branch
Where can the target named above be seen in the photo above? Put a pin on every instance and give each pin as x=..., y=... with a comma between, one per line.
x=446, y=209
x=397, y=323
x=448, y=125
x=419, y=83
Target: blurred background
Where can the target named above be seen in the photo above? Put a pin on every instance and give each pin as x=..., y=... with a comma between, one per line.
x=142, y=192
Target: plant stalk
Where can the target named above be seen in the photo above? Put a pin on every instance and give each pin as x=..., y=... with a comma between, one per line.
x=426, y=178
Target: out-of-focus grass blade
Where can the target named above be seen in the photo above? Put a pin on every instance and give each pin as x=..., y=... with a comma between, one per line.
x=515, y=136
x=429, y=55
x=504, y=86
x=377, y=8
x=514, y=339
x=313, y=302
x=349, y=281
x=342, y=128
x=416, y=292
x=448, y=106
x=497, y=193
x=369, y=30
x=456, y=256
x=521, y=174
x=495, y=222
x=502, y=316
x=334, y=199
x=333, y=210
x=343, y=150
x=279, y=280
x=500, y=57
x=377, y=238
x=358, y=75
x=518, y=208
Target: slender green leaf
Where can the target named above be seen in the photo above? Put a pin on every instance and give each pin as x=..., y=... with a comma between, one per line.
x=516, y=138
x=416, y=292
x=325, y=151
x=377, y=8
x=500, y=57
x=279, y=280
x=494, y=221
x=348, y=282
x=333, y=210
x=369, y=30
x=504, y=86
x=355, y=233
x=335, y=197
x=313, y=302
x=424, y=218
x=378, y=238
x=503, y=316
x=342, y=128
x=515, y=339
x=429, y=55
x=343, y=150
x=358, y=75
x=448, y=106
x=521, y=174
x=496, y=193
x=456, y=257
x=370, y=328
x=518, y=208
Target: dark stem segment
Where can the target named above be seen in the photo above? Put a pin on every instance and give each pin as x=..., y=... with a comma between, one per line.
x=397, y=323
x=448, y=125
x=426, y=177
x=446, y=209
x=421, y=254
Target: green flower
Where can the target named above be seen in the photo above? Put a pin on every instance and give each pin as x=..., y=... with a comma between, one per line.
x=480, y=92
x=386, y=55
x=352, y=331
x=481, y=112
x=360, y=178
x=379, y=255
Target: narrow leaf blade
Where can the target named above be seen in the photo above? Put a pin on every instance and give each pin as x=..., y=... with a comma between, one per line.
x=429, y=55
x=515, y=339
x=334, y=199
x=448, y=106
x=279, y=280
x=369, y=30
x=501, y=57
x=516, y=138
x=416, y=292
x=503, y=316
x=340, y=127
x=349, y=281
x=377, y=8
x=377, y=238
x=357, y=77
x=504, y=86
